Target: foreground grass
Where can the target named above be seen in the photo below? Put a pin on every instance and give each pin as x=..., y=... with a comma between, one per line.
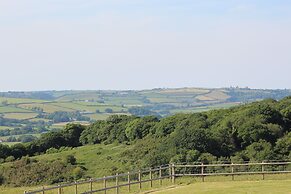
x=233, y=187
x=245, y=184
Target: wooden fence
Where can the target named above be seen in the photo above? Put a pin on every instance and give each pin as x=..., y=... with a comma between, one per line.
x=171, y=172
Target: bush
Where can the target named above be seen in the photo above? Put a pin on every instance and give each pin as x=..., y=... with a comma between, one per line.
x=108, y=110
x=70, y=159
x=10, y=159
x=78, y=172
x=51, y=150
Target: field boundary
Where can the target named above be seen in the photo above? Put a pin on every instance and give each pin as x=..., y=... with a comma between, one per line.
x=171, y=172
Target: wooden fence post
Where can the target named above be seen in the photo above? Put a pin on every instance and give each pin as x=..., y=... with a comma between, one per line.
x=232, y=171
x=263, y=169
x=170, y=172
x=59, y=189
x=104, y=184
x=128, y=181
x=76, y=187
x=202, y=171
x=117, y=184
x=91, y=185
x=160, y=175
x=139, y=178
x=173, y=173
x=151, y=178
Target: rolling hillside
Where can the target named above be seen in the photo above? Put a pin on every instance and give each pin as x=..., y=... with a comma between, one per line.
x=37, y=110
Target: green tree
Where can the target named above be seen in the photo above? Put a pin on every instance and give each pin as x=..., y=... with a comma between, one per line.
x=72, y=133
x=283, y=147
x=70, y=159
x=260, y=151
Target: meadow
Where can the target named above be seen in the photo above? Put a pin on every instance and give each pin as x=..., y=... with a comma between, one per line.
x=236, y=187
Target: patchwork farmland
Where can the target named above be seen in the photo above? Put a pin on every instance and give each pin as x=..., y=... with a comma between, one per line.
x=37, y=112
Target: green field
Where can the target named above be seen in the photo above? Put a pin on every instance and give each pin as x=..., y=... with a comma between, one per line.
x=98, y=159
x=12, y=109
x=20, y=100
x=172, y=100
x=232, y=187
x=4, y=127
x=47, y=107
x=20, y=116
x=277, y=185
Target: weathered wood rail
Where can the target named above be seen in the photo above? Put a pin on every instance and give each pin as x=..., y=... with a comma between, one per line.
x=171, y=171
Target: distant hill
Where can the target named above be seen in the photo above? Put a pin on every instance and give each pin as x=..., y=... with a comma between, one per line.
x=163, y=101
x=40, y=111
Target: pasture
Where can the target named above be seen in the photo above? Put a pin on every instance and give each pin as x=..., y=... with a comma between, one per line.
x=20, y=116
x=232, y=187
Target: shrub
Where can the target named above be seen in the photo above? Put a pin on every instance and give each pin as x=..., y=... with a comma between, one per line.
x=78, y=172
x=51, y=151
x=10, y=159
x=70, y=159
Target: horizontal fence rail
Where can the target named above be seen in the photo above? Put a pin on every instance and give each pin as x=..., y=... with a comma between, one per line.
x=171, y=172
x=119, y=180
x=231, y=169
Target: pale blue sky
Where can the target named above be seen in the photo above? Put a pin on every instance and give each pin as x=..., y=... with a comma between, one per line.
x=137, y=44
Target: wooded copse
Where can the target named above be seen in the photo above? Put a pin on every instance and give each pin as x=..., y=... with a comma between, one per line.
x=253, y=132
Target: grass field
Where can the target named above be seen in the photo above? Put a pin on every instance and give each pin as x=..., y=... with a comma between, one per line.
x=232, y=187
x=20, y=116
x=276, y=185
x=12, y=109
x=204, y=108
x=47, y=107
x=20, y=100
x=4, y=127
x=98, y=116
x=98, y=159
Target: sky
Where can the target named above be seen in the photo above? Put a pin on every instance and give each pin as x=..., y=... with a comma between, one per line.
x=143, y=44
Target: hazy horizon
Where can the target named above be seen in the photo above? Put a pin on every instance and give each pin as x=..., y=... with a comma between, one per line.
x=144, y=44
x=141, y=89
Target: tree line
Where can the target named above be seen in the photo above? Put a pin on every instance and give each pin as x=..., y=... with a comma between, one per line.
x=252, y=132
